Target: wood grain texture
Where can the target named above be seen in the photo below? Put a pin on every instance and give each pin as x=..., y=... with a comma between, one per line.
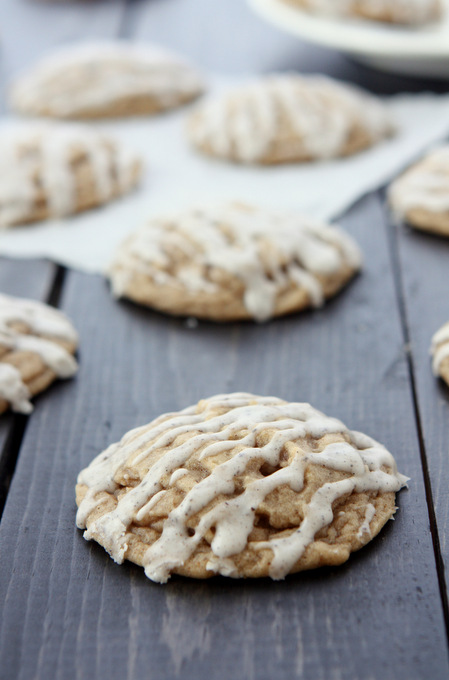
x=22, y=278
x=425, y=278
x=68, y=610
x=29, y=28
x=72, y=612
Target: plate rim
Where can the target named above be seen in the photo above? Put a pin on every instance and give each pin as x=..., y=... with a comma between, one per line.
x=354, y=36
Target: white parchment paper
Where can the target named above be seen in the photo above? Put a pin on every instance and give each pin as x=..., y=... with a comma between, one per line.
x=176, y=177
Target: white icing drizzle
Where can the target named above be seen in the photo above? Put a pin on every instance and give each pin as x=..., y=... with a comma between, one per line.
x=41, y=152
x=40, y=320
x=177, y=475
x=362, y=458
x=91, y=76
x=13, y=389
x=232, y=238
x=400, y=11
x=247, y=124
x=425, y=185
x=365, y=527
x=440, y=348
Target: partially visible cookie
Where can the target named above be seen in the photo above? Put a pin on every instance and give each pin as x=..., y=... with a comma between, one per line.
x=57, y=169
x=103, y=80
x=238, y=485
x=421, y=195
x=414, y=12
x=288, y=118
x=233, y=262
x=440, y=353
x=37, y=344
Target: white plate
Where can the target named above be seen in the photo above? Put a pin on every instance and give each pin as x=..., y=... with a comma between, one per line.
x=422, y=51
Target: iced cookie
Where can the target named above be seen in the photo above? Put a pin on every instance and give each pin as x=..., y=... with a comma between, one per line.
x=288, y=118
x=440, y=353
x=421, y=195
x=57, y=169
x=233, y=262
x=238, y=485
x=413, y=12
x=103, y=80
x=37, y=344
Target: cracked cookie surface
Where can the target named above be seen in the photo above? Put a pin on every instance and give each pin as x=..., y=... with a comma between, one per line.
x=233, y=262
x=37, y=343
x=288, y=118
x=421, y=195
x=104, y=80
x=50, y=170
x=238, y=485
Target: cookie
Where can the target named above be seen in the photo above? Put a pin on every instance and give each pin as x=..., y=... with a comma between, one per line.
x=413, y=12
x=103, y=80
x=288, y=118
x=238, y=485
x=233, y=262
x=440, y=353
x=421, y=195
x=57, y=169
x=37, y=344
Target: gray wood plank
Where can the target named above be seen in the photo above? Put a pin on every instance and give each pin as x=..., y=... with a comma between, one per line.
x=228, y=37
x=425, y=277
x=28, y=30
x=23, y=278
x=26, y=278
x=70, y=612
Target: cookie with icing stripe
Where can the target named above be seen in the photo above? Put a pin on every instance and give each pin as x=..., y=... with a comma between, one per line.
x=288, y=118
x=233, y=262
x=440, y=353
x=57, y=169
x=105, y=79
x=413, y=12
x=238, y=485
x=421, y=195
x=37, y=343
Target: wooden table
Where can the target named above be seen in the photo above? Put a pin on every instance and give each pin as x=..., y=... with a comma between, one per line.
x=68, y=610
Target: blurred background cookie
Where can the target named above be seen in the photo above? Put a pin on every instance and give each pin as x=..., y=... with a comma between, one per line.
x=288, y=118
x=421, y=195
x=395, y=11
x=57, y=169
x=238, y=485
x=37, y=343
x=233, y=262
x=440, y=353
x=103, y=80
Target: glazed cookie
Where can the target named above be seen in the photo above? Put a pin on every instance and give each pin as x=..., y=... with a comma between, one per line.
x=413, y=12
x=238, y=485
x=440, y=353
x=288, y=118
x=421, y=195
x=57, y=169
x=233, y=262
x=36, y=347
x=103, y=80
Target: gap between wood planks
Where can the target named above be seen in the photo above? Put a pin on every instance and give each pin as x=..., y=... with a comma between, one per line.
x=11, y=448
x=393, y=240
